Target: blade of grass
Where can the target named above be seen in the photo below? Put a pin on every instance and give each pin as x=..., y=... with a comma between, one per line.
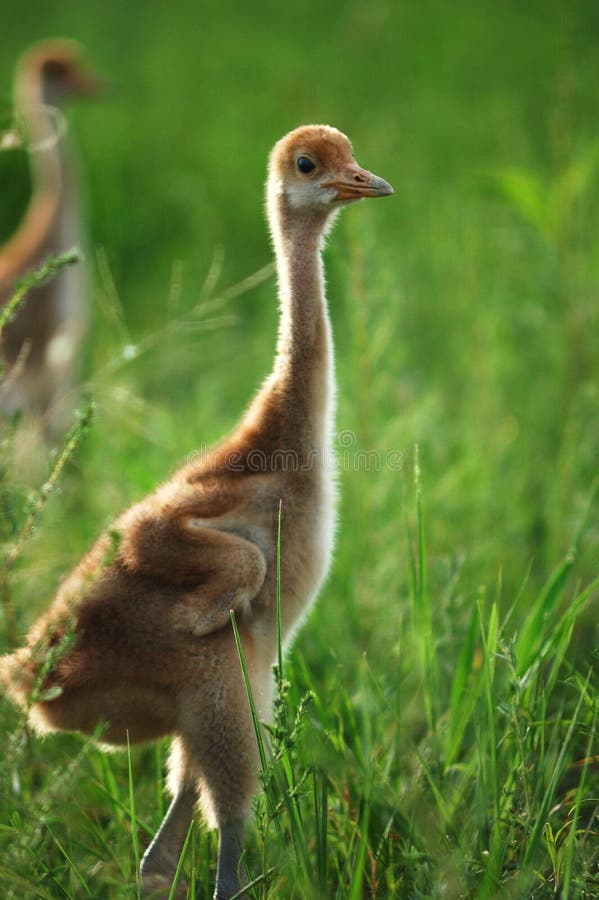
x=436, y=792
x=571, y=839
x=320, y=821
x=356, y=886
x=489, y=737
x=532, y=633
x=133, y=816
x=279, y=613
x=556, y=774
x=464, y=696
x=179, y=869
x=72, y=867
x=250, y=696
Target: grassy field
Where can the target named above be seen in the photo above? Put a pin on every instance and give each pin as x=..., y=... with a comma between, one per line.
x=438, y=733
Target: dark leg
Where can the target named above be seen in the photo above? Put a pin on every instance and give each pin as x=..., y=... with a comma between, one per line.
x=229, y=854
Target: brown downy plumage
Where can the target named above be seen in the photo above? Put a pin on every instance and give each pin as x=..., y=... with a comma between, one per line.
x=152, y=649
x=39, y=346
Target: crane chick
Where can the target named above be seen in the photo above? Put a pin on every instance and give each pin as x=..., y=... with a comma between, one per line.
x=39, y=346
x=151, y=648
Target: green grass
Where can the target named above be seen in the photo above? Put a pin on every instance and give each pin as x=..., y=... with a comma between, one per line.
x=435, y=732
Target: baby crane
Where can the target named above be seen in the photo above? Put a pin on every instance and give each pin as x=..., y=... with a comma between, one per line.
x=40, y=344
x=153, y=650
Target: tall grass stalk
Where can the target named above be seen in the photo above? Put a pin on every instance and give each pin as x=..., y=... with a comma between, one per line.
x=70, y=445
x=132, y=811
x=421, y=607
x=49, y=268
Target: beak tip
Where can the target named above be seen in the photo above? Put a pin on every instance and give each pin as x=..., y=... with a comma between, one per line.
x=379, y=187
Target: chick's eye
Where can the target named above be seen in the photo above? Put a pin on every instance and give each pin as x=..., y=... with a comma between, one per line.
x=305, y=165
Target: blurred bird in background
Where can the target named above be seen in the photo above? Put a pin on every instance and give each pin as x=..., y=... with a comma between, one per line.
x=39, y=347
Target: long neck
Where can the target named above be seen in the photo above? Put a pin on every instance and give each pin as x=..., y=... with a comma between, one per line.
x=294, y=410
x=303, y=373
x=34, y=236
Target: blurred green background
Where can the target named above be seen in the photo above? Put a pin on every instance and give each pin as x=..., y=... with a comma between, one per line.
x=465, y=308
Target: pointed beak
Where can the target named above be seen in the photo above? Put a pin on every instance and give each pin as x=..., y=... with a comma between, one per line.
x=354, y=183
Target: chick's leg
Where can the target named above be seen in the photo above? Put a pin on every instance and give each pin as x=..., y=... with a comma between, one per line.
x=230, y=838
x=159, y=863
